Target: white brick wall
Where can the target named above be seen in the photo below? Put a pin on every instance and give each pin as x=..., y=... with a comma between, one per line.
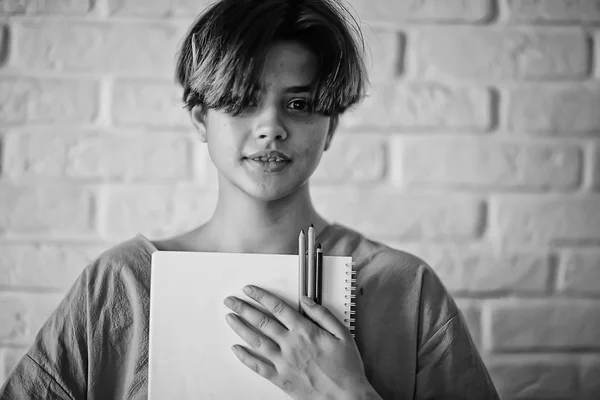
x=477, y=149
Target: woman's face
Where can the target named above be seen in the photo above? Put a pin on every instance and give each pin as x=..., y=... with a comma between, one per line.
x=278, y=121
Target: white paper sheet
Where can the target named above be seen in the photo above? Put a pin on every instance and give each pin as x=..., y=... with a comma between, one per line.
x=190, y=341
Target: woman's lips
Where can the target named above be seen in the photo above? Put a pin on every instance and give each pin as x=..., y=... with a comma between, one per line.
x=268, y=166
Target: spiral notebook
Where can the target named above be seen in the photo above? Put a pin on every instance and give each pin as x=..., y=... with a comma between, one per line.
x=190, y=343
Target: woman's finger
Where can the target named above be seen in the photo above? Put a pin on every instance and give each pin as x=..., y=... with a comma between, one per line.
x=256, y=340
x=324, y=318
x=285, y=314
x=263, y=368
x=255, y=317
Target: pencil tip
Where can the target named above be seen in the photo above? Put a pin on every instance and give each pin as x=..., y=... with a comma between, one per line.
x=312, y=226
x=302, y=231
x=319, y=246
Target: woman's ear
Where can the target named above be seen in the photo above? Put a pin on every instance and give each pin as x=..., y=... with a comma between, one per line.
x=198, y=116
x=333, y=123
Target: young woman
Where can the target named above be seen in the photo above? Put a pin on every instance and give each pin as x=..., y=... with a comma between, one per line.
x=265, y=82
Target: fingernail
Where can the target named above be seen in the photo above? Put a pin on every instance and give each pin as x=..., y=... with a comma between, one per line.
x=230, y=316
x=248, y=290
x=307, y=300
x=228, y=302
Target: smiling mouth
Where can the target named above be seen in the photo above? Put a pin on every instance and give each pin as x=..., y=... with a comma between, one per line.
x=269, y=158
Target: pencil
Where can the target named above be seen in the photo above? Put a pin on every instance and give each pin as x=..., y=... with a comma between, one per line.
x=311, y=262
x=319, y=275
x=301, y=268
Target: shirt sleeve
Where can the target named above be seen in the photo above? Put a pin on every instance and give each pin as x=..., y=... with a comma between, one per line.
x=449, y=365
x=30, y=381
x=55, y=366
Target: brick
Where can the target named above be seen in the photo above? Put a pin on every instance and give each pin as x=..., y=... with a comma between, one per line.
x=14, y=100
x=47, y=266
x=47, y=100
x=534, y=377
x=471, y=313
x=22, y=316
x=484, y=162
x=552, y=11
x=423, y=10
x=557, y=324
x=35, y=155
x=156, y=210
x=139, y=8
x=62, y=7
x=554, y=108
x=352, y=158
x=185, y=8
x=383, y=212
x=42, y=154
x=95, y=155
x=579, y=271
x=422, y=106
x=498, y=53
x=157, y=8
x=590, y=384
x=131, y=159
x=140, y=49
x=524, y=220
x=144, y=103
x=51, y=208
x=9, y=357
x=383, y=53
x=478, y=271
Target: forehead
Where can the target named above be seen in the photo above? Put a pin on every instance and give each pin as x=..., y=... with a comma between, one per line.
x=288, y=64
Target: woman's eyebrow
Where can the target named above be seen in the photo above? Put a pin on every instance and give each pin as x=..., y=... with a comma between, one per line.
x=298, y=89
x=290, y=89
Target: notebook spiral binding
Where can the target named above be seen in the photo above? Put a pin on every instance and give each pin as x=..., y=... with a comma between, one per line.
x=350, y=296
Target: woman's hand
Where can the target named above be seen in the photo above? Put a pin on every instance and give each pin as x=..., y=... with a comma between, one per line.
x=307, y=359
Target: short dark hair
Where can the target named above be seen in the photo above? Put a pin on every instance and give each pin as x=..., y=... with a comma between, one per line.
x=222, y=54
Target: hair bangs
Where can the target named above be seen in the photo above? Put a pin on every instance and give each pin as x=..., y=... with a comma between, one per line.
x=335, y=37
x=222, y=57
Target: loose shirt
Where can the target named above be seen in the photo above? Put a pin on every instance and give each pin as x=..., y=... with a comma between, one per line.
x=413, y=339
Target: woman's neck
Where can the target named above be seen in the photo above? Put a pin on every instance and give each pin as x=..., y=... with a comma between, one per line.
x=246, y=225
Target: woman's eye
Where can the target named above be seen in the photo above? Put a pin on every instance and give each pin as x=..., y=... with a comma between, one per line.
x=298, y=105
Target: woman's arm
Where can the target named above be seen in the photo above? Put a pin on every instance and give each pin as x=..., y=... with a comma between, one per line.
x=448, y=363
x=55, y=366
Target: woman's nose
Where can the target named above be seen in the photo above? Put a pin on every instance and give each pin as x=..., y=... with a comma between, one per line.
x=269, y=125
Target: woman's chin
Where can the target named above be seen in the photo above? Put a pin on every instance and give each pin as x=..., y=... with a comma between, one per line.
x=269, y=195
x=268, y=192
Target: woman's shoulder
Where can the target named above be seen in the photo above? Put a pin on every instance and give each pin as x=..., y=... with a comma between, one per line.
x=373, y=257
x=400, y=282
x=133, y=250
x=105, y=308
x=389, y=270
x=121, y=265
